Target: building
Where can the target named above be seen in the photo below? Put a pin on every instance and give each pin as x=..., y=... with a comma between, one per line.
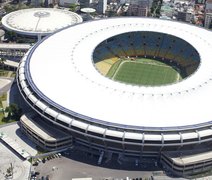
x=101, y=6
x=208, y=5
x=2, y=33
x=84, y=3
x=184, y=16
x=39, y=22
x=107, y=117
x=199, y=1
x=45, y=3
x=137, y=10
x=13, y=50
x=208, y=13
x=208, y=20
x=187, y=162
x=138, y=2
x=167, y=11
x=67, y=3
x=43, y=134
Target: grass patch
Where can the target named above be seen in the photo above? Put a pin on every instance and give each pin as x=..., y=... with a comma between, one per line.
x=1, y=118
x=143, y=72
x=4, y=120
x=41, y=150
x=3, y=97
x=13, y=74
x=3, y=73
x=113, y=69
x=7, y=73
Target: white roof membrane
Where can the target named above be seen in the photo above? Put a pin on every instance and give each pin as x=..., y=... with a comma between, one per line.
x=61, y=69
x=35, y=21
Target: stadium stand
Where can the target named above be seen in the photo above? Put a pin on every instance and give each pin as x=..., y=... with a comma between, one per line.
x=163, y=47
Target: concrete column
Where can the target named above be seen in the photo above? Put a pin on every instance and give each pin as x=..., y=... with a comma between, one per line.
x=39, y=37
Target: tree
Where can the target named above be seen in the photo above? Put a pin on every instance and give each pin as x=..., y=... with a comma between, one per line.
x=9, y=171
x=13, y=112
x=2, y=61
x=156, y=7
x=9, y=8
x=73, y=7
x=15, y=6
x=11, y=35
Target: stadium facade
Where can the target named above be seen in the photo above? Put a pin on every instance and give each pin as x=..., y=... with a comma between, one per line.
x=59, y=80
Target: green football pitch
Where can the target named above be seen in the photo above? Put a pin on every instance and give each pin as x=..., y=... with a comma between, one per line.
x=143, y=72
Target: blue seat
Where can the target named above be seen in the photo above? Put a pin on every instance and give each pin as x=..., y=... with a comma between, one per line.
x=150, y=44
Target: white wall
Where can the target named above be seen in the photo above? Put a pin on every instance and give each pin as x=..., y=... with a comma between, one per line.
x=66, y=3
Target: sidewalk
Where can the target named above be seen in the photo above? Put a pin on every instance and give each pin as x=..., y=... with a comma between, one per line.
x=14, y=145
x=20, y=168
x=14, y=133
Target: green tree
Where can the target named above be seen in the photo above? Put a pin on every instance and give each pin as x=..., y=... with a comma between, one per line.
x=10, y=171
x=2, y=62
x=156, y=7
x=14, y=112
x=73, y=7
x=11, y=35
x=9, y=8
x=15, y=6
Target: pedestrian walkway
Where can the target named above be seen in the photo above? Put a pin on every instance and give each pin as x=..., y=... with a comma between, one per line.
x=15, y=46
x=4, y=104
x=4, y=82
x=14, y=132
x=9, y=74
x=20, y=168
x=14, y=145
x=11, y=63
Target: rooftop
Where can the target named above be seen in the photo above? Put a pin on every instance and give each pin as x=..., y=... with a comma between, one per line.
x=36, y=21
x=42, y=129
x=77, y=88
x=189, y=157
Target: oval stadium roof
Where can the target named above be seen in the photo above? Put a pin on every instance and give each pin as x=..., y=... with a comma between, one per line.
x=61, y=71
x=36, y=21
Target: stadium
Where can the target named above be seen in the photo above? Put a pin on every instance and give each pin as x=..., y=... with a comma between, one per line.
x=135, y=87
x=38, y=22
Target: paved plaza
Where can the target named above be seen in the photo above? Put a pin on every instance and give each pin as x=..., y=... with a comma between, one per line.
x=8, y=156
x=13, y=131
x=20, y=168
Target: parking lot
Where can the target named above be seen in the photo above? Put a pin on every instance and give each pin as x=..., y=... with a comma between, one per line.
x=80, y=165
